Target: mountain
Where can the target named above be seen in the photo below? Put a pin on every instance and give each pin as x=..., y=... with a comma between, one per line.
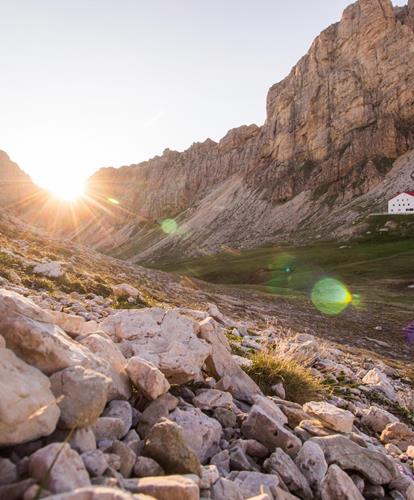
x=335, y=145
x=335, y=127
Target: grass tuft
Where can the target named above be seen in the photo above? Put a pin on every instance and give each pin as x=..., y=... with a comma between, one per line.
x=300, y=384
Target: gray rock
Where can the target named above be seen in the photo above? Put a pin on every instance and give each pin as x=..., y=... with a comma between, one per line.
x=311, y=462
x=157, y=409
x=254, y=483
x=126, y=455
x=122, y=410
x=95, y=462
x=146, y=467
x=337, y=484
x=167, y=445
x=222, y=461
x=8, y=471
x=280, y=463
x=108, y=428
x=223, y=489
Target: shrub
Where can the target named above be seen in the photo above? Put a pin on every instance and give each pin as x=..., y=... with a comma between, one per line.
x=300, y=384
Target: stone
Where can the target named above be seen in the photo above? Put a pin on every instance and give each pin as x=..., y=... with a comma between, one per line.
x=222, y=367
x=209, y=399
x=157, y=409
x=98, y=493
x=281, y=464
x=108, y=428
x=83, y=440
x=223, y=489
x=133, y=441
x=254, y=483
x=126, y=455
x=72, y=324
x=399, y=434
x=209, y=475
x=227, y=418
x=49, y=269
x=165, y=338
x=222, y=461
x=373, y=492
x=373, y=465
x=81, y=394
x=239, y=460
x=337, y=484
x=167, y=445
x=377, y=418
x=201, y=432
x=68, y=471
x=27, y=405
x=146, y=466
x=312, y=464
x=123, y=290
x=265, y=423
x=95, y=462
x=122, y=410
x=113, y=365
x=165, y=487
x=8, y=471
x=147, y=378
x=30, y=333
x=331, y=416
x=15, y=491
x=376, y=379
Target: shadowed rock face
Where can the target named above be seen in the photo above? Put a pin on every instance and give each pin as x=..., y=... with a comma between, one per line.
x=334, y=127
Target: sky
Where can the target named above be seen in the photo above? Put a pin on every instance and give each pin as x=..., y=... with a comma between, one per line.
x=93, y=83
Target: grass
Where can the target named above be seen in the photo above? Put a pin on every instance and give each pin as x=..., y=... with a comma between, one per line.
x=300, y=384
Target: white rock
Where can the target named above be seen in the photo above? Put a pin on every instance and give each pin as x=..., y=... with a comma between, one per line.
x=331, y=416
x=147, y=378
x=124, y=290
x=50, y=269
x=165, y=487
x=67, y=473
x=98, y=493
x=28, y=408
x=377, y=418
x=311, y=462
x=377, y=379
x=201, y=432
x=72, y=324
x=208, y=399
x=166, y=339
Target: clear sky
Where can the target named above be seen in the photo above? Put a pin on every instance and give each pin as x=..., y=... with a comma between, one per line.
x=92, y=83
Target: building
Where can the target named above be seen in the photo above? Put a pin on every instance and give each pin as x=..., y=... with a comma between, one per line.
x=402, y=203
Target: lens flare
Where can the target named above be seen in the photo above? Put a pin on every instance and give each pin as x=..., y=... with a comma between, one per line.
x=113, y=201
x=169, y=226
x=330, y=296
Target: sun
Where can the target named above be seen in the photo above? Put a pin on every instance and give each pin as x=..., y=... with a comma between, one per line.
x=68, y=190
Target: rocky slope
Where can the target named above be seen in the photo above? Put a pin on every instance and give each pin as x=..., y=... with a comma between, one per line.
x=118, y=382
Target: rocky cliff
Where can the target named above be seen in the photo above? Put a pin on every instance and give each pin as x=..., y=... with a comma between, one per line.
x=334, y=129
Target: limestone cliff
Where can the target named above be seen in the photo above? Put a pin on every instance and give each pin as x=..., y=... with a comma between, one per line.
x=334, y=129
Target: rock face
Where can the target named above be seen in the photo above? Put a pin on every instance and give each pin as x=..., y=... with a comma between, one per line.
x=28, y=408
x=333, y=129
x=166, y=339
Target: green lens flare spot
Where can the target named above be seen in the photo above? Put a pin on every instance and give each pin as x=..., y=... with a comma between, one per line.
x=330, y=296
x=113, y=201
x=169, y=226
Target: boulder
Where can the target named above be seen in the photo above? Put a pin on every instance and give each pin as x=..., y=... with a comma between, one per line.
x=165, y=338
x=377, y=418
x=223, y=489
x=376, y=379
x=281, y=464
x=72, y=324
x=337, y=484
x=312, y=464
x=209, y=399
x=266, y=423
x=165, y=487
x=147, y=378
x=81, y=394
x=146, y=466
x=221, y=365
x=113, y=365
x=373, y=465
x=201, y=432
x=98, y=493
x=51, y=269
x=167, y=445
x=108, y=428
x=157, y=409
x=29, y=332
x=399, y=434
x=95, y=462
x=254, y=483
x=331, y=416
x=68, y=471
x=123, y=290
x=27, y=405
